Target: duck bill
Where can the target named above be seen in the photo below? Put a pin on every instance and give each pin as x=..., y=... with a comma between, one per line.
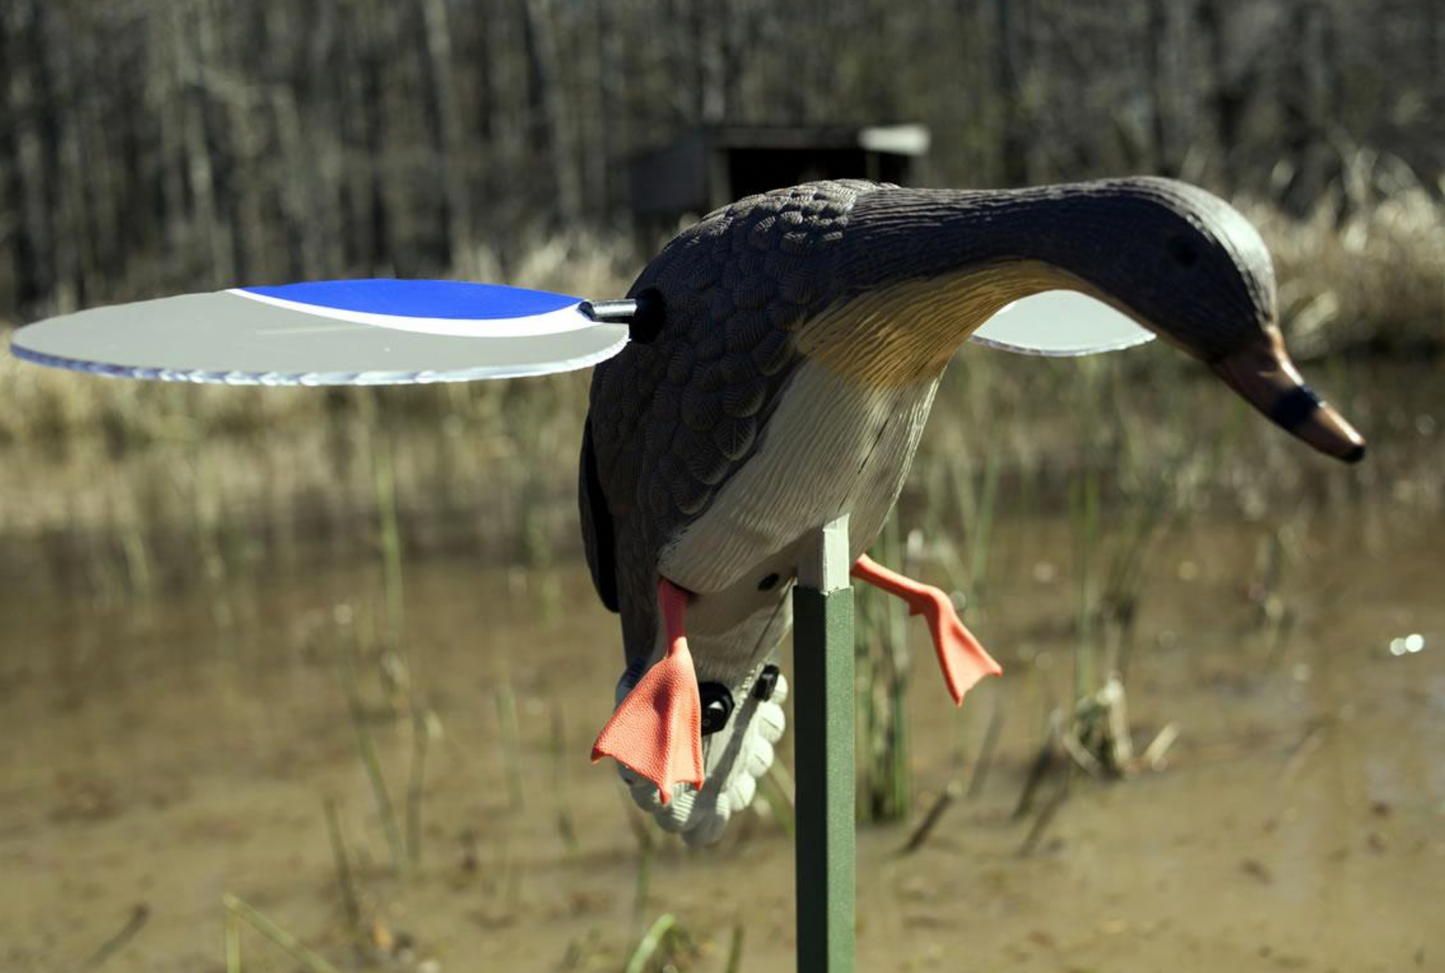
x=1264, y=376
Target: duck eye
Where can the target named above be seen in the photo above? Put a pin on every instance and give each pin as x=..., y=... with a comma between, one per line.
x=1183, y=250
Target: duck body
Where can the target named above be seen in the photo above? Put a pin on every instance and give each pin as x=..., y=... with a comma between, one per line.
x=806, y=331
x=739, y=557
x=720, y=446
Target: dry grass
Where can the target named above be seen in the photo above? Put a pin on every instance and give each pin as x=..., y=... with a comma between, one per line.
x=1366, y=268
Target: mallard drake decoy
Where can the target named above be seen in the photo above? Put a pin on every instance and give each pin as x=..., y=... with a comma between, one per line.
x=803, y=335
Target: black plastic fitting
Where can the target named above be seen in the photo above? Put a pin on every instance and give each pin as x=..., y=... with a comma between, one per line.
x=717, y=706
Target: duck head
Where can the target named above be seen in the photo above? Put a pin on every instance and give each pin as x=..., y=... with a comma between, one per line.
x=1189, y=267
x=1180, y=261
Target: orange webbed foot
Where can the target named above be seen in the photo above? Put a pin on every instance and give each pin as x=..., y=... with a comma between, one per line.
x=962, y=658
x=657, y=728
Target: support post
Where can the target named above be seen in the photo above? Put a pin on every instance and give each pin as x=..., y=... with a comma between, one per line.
x=823, y=714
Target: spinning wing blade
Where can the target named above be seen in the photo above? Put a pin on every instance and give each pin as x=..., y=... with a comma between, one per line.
x=1062, y=324
x=346, y=332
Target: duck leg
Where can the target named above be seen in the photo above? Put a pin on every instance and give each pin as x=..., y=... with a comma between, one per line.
x=657, y=729
x=962, y=658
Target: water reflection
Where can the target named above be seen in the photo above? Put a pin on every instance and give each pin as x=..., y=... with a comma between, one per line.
x=1408, y=645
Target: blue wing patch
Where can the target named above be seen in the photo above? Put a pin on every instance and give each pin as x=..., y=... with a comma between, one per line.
x=444, y=299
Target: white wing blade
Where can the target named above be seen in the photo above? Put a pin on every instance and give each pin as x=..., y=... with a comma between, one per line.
x=355, y=332
x=1062, y=324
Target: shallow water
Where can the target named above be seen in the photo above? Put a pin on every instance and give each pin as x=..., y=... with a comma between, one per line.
x=166, y=749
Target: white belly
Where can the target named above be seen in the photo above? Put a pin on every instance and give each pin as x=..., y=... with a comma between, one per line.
x=833, y=446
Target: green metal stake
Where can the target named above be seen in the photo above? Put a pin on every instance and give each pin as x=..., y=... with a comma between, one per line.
x=823, y=712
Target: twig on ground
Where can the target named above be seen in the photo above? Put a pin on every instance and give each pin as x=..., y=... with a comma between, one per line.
x=1307, y=747
x=134, y=923
x=945, y=800
x=1043, y=820
x=987, y=750
x=1047, y=759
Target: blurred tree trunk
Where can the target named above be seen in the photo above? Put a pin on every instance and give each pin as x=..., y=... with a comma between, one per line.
x=200, y=255
x=614, y=143
x=1157, y=57
x=73, y=240
x=11, y=273
x=739, y=27
x=35, y=158
x=1432, y=38
x=551, y=128
x=1304, y=102
x=1014, y=149
x=706, y=55
x=508, y=151
x=374, y=160
x=245, y=162
x=1228, y=92
x=452, y=147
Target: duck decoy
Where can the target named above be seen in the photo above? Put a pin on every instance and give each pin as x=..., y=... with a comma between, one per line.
x=803, y=336
x=771, y=369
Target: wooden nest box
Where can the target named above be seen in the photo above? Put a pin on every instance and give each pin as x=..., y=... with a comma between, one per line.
x=713, y=165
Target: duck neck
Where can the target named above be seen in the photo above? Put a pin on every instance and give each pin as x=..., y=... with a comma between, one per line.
x=925, y=268
x=899, y=234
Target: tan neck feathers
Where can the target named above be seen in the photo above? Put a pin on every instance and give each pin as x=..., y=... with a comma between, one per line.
x=906, y=332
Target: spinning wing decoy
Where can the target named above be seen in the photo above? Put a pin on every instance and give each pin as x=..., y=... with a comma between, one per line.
x=805, y=334
x=343, y=332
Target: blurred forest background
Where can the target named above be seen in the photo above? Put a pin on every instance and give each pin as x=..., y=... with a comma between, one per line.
x=152, y=147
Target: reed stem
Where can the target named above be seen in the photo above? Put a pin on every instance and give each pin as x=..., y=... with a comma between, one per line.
x=350, y=903
x=366, y=749
x=237, y=908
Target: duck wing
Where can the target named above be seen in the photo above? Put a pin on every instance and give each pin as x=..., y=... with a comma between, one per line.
x=673, y=419
x=598, y=533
